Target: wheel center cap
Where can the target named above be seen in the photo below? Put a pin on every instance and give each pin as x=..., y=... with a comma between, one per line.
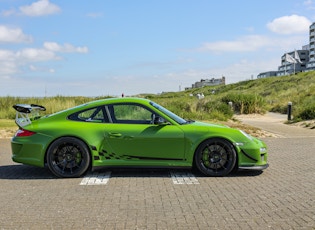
x=216, y=157
x=68, y=157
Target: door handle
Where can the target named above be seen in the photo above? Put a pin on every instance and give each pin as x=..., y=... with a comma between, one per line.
x=128, y=137
x=115, y=134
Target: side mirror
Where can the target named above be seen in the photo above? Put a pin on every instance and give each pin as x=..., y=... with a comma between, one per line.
x=159, y=121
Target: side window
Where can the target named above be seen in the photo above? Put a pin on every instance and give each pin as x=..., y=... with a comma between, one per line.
x=131, y=114
x=85, y=115
x=95, y=115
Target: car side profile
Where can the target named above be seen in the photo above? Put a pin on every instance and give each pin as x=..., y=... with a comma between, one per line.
x=129, y=132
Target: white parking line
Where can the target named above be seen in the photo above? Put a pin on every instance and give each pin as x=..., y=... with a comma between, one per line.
x=96, y=178
x=182, y=177
x=178, y=177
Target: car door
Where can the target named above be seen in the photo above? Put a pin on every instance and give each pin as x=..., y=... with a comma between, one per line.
x=131, y=135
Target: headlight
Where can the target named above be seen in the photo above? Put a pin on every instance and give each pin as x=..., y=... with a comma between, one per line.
x=247, y=135
x=263, y=150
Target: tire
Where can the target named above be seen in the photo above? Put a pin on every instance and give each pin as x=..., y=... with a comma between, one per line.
x=215, y=157
x=68, y=157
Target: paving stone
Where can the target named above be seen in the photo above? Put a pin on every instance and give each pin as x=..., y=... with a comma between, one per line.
x=281, y=197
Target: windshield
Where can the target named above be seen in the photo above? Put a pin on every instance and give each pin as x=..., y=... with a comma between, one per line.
x=173, y=116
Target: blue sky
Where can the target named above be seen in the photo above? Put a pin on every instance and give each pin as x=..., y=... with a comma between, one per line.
x=110, y=47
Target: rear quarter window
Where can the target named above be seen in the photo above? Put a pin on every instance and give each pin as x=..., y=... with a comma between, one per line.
x=95, y=115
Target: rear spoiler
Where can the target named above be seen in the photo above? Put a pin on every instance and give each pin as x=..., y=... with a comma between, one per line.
x=25, y=113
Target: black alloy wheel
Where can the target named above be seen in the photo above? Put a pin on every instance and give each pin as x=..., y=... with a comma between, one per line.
x=215, y=157
x=68, y=157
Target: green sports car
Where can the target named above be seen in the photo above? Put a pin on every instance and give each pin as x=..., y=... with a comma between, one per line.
x=129, y=132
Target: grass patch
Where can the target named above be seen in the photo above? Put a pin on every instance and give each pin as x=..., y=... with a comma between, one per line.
x=7, y=123
x=252, y=96
x=7, y=128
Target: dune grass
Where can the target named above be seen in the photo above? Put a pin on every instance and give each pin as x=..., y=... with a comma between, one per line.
x=253, y=96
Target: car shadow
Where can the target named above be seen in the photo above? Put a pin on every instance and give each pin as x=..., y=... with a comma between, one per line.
x=149, y=172
x=246, y=173
x=239, y=173
x=25, y=172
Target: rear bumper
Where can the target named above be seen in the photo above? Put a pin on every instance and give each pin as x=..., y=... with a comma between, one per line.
x=29, y=150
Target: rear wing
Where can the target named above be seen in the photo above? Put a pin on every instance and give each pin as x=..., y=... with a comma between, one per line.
x=25, y=113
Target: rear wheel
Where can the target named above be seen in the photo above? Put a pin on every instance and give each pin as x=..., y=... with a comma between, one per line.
x=215, y=157
x=68, y=157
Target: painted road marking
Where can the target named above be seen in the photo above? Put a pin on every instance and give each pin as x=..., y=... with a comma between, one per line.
x=102, y=178
x=182, y=177
x=96, y=178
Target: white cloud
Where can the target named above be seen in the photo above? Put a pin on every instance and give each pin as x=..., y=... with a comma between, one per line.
x=40, y=8
x=12, y=61
x=8, y=64
x=66, y=48
x=7, y=13
x=309, y=4
x=239, y=70
x=34, y=68
x=247, y=69
x=253, y=43
x=13, y=35
x=246, y=43
x=293, y=24
x=31, y=54
x=6, y=55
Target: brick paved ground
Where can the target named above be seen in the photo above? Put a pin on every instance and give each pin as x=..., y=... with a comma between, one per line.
x=282, y=197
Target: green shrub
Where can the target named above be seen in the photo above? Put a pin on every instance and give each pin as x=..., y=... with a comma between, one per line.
x=245, y=103
x=279, y=109
x=215, y=109
x=307, y=113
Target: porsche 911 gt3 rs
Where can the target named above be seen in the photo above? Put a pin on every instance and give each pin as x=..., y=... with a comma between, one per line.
x=129, y=132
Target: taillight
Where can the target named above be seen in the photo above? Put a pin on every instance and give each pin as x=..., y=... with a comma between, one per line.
x=24, y=133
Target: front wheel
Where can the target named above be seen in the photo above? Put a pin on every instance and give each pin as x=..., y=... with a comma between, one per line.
x=68, y=157
x=215, y=157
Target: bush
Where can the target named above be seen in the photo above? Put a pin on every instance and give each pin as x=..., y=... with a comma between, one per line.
x=192, y=108
x=307, y=114
x=245, y=103
x=215, y=109
x=279, y=109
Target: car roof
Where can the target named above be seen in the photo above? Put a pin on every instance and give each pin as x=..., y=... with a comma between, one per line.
x=108, y=101
x=117, y=100
x=100, y=102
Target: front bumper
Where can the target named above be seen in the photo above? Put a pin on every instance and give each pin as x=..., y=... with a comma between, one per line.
x=256, y=167
x=253, y=155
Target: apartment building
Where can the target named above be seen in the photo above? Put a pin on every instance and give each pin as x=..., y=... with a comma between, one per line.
x=300, y=59
x=207, y=82
x=296, y=61
x=311, y=63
